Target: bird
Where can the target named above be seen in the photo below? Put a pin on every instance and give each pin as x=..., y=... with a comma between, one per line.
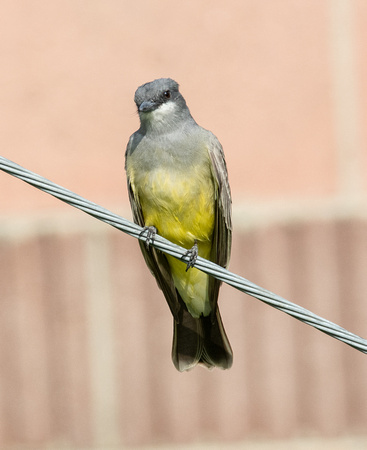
x=178, y=188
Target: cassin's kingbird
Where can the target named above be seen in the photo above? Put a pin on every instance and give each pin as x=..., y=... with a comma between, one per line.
x=178, y=187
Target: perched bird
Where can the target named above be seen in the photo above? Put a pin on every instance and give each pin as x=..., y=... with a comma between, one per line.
x=178, y=187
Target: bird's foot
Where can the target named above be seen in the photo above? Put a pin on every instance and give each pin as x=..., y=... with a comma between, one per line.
x=192, y=254
x=151, y=232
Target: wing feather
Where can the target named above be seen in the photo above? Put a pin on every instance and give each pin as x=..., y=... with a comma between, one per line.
x=155, y=260
x=222, y=235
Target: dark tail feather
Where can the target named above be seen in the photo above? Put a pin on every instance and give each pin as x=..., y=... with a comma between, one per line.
x=202, y=341
x=187, y=344
x=217, y=350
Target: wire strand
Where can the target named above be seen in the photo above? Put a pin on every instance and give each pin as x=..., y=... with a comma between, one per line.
x=204, y=265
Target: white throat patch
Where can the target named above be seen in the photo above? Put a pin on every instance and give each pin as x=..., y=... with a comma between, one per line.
x=164, y=110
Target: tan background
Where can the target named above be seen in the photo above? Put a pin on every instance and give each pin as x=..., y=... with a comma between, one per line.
x=283, y=84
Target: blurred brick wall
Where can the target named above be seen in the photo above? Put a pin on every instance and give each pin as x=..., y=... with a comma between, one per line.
x=85, y=335
x=85, y=341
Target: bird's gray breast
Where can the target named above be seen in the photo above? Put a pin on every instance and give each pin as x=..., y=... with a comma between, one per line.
x=172, y=151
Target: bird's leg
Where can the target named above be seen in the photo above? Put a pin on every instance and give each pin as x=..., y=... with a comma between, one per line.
x=151, y=232
x=192, y=254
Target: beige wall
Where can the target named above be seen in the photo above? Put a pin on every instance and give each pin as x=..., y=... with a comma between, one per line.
x=283, y=85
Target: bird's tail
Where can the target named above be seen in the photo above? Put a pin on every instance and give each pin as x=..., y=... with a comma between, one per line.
x=200, y=341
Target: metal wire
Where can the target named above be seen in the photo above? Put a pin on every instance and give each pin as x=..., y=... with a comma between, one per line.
x=166, y=246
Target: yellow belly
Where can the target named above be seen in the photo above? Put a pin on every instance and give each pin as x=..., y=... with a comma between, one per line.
x=182, y=210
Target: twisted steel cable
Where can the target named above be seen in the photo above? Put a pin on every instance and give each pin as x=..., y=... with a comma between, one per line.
x=166, y=246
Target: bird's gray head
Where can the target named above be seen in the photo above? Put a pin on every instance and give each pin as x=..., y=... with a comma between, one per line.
x=160, y=105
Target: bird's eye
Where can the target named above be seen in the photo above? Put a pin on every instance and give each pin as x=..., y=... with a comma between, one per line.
x=167, y=94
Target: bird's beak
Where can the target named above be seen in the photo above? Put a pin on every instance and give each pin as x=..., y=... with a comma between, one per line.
x=147, y=106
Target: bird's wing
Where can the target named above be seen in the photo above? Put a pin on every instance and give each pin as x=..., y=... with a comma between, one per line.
x=155, y=260
x=222, y=235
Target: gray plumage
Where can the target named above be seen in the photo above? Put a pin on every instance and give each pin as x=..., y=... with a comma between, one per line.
x=169, y=141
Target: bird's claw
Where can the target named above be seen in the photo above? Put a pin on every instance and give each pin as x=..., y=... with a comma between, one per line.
x=192, y=254
x=151, y=232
